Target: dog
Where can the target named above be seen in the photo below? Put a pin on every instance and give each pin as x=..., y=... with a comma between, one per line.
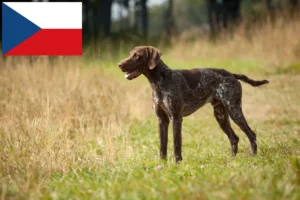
x=179, y=93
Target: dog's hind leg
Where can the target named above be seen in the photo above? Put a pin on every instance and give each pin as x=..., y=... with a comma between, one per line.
x=230, y=94
x=222, y=118
x=236, y=114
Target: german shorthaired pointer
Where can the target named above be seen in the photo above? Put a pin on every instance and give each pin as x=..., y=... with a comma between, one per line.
x=179, y=93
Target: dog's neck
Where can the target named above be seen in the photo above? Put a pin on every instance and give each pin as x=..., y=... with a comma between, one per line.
x=158, y=75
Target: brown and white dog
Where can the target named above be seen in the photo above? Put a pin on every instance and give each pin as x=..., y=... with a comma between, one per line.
x=179, y=93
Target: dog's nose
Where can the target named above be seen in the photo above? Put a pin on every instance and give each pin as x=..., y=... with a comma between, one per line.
x=120, y=65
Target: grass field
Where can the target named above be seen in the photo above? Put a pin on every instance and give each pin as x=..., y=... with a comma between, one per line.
x=76, y=129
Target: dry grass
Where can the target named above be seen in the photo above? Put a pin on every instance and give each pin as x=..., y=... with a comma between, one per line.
x=51, y=115
x=276, y=44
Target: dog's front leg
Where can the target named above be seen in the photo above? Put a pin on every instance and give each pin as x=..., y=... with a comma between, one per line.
x=163, y=124
x=177, y=124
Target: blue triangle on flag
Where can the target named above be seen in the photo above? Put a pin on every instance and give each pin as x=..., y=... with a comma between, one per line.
x=15, y=28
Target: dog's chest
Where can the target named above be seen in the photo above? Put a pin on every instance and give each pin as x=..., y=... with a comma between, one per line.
x=164, y=100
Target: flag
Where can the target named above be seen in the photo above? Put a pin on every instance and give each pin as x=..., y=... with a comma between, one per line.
x=41, y=28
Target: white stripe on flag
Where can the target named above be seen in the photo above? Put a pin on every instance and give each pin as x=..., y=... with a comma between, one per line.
x=51, y=15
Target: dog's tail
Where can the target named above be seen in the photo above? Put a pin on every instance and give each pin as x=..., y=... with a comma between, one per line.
x=245, y=79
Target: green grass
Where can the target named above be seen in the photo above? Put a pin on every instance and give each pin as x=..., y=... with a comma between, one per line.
x=207, y=172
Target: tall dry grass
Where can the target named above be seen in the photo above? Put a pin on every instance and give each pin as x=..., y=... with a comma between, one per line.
x=272, y=43
x=54, y=118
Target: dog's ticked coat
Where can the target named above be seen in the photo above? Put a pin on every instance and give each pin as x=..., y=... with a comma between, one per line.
x=179, y=93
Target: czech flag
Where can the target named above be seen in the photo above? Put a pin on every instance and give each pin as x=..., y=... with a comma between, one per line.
x=42, y=28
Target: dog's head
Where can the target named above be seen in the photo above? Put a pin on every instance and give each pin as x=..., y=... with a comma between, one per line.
x=140, y=59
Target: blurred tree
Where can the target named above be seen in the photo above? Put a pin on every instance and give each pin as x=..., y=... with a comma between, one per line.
x=269, y=4
x=223, y=14
x=294, y=3
x=170, y=24
x=294, y=6
x=123, y=4
x=136, y=15
x=270, y=9
x=104, y=10
x=144, y=17
x=215, y=15
x=98, y=17
x=232, y=12
x=218, y=15
x=86, y=18
x=141, y=19
x=190, y=14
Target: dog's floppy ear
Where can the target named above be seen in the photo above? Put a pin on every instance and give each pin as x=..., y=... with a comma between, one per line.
x=153, y=56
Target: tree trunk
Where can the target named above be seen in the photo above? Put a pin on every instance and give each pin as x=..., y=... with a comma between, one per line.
x=85, y=25
x=144, y=18
x=96, y=19
x=1, y=24
x=223, y=15
x=233, y=9
x=170, y=24
x=136, y=16
x=271, y=9
x=213, y=18
x=294, y=7
x=232, y=12
x=106, y=15
x=294, y=3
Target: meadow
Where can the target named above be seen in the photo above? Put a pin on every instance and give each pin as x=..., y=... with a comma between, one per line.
x=75, y=128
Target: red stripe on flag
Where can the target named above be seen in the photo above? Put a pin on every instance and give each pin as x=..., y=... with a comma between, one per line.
x=51, y=42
